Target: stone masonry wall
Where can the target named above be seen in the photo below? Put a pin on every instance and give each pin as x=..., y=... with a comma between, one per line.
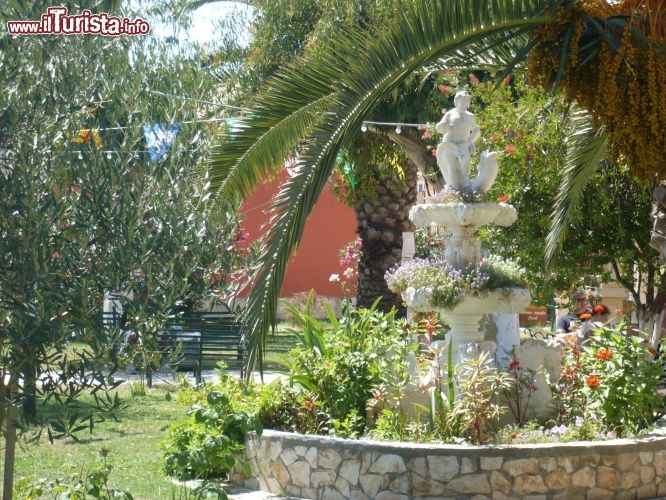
x=326, y=468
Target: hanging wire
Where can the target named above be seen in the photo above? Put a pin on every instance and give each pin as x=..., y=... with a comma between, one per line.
x=186, y=98
x=397, y=125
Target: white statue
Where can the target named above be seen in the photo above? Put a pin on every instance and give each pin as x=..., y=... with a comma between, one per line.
x=454, y=154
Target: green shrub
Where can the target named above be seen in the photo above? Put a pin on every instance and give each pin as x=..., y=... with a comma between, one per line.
x=338, y=364
x=210, y=442
x=612, y=378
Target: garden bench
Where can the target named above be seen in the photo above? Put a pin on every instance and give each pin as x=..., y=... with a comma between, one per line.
x=200, y=340
x=205, y=339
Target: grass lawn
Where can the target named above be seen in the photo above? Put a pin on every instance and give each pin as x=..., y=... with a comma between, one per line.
x=133, y=443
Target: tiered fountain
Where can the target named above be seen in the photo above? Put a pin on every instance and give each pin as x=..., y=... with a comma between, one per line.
x=461, y=220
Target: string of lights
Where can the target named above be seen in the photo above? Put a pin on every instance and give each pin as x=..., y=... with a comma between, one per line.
x=397, y=125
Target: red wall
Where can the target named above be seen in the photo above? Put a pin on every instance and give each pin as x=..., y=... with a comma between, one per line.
x=329, y=228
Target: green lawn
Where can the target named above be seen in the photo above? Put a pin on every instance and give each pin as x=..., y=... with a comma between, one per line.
x=133, y=444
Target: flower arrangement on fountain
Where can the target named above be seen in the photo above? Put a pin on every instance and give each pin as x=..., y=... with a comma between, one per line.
x=451, y=195
x=445, y=286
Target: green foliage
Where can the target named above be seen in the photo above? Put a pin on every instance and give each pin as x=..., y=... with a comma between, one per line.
x=394, y=425
x=449, y=286
x=469, y=408
x=520, y=389
x=337, y=366
x=535, y=432
x=209, y=443
x=612, y=378
x=428, y=245
x=80, y=219
x=76, y=484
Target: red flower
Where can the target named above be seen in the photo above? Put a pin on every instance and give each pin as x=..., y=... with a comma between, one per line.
x=599, y=309
x=514, y=435
x=593, y=381
x=502, y=198
x=507, y=80
x=494, y=138
x=510, y=149
x=529, y=157
x=604, y=354
x=514, y=364
x=473, y=80
x=444, y=89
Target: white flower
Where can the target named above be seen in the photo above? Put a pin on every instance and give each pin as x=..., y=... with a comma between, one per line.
x=335, y=278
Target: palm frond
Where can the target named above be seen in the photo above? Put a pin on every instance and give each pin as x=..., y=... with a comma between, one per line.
x=321, y=103
x=587, y=148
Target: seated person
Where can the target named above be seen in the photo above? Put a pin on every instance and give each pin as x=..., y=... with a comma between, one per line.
x=566, y=324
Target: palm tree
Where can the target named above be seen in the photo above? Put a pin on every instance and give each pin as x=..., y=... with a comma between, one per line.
x=319, y=104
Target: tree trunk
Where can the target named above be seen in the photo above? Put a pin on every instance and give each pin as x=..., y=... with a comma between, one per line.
x=30, y=392
x=381, y=222
x=10, y=441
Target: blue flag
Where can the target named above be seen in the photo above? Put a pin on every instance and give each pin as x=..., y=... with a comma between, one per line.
x=159, y=139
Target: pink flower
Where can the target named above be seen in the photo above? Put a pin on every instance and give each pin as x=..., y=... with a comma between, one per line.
x=444, y=89
x=473, y=80
x=241, y=236
x=502, y=198
x=494, y=137
x=427, y=134
x=507, y=80
x=510, y=149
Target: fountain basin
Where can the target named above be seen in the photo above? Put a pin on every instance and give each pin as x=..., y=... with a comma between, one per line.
x=509, y=300
x=463, y=214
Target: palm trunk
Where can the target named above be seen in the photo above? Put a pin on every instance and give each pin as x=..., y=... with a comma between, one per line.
x=381, y=222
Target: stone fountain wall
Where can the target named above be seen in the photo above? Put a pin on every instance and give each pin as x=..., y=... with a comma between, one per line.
x=329, y=468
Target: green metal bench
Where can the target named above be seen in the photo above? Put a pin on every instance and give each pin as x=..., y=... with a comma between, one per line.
x=204, y=339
